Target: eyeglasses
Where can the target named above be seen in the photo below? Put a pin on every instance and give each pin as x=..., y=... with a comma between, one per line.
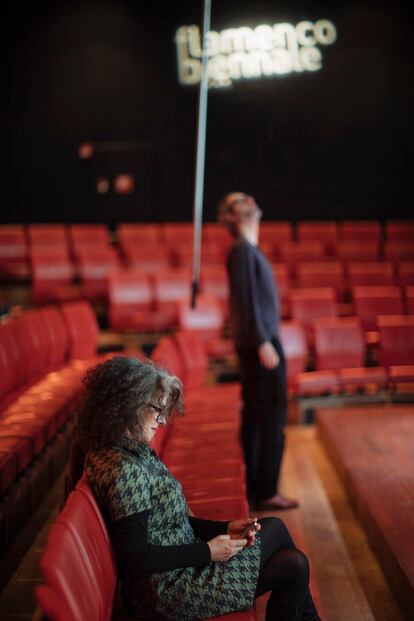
x=160, y=417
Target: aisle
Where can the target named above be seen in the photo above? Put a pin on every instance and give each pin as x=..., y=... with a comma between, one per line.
x=347, y=582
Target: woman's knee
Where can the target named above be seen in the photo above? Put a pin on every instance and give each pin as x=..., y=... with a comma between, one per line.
x=299, y=563
x=276, y=529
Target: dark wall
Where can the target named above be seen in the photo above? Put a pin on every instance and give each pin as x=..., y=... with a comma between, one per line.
x=331, y=144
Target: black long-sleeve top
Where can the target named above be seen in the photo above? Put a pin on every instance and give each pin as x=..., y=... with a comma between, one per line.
x=137, y=557
x=254, y=299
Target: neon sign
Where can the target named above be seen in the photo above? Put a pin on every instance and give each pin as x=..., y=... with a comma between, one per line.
x=247, y=53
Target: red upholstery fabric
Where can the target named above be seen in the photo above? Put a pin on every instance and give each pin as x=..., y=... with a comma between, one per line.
x=409, y=299
x=68, y=571
x=397, y=250
x=326, y=232
x=399, y=229
x=356, y=250
x=292, y=253
x=130, y=300
x=171, y=288
x=396, y=345
x=14, y=253
x=340, y=346
x=52, y=275
x=369, y=302
x=82, y=328
x=276, y=232
x=370, y=273
x=322, y=274
x=95, y=265
x=313, y=303
x=405, y=273
x=293, y=337
x=360, y=230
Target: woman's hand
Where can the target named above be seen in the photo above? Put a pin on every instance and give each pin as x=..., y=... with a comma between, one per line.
x=223, y=547
x=246, y=528
x=268, y=356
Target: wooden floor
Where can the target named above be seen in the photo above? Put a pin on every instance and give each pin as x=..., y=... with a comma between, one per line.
x=347, y=582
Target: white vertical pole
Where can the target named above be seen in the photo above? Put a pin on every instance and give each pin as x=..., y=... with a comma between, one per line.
x=200, y=158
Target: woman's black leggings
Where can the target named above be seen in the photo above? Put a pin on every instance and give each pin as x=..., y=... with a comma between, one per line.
x=284, y=570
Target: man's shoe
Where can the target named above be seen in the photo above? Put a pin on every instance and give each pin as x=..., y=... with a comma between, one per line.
x=276, y=503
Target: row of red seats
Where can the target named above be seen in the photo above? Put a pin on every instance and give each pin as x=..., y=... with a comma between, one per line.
x=154, y=246
x=44, y=353
x=54, y=282
x=139, y=302
x=338, y=354
x=78, y=565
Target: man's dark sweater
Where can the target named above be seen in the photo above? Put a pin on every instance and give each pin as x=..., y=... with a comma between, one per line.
x=254, y=300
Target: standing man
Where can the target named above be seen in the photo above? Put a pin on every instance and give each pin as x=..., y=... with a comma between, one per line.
x=254, y=322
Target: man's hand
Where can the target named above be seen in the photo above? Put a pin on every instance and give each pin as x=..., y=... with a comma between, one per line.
x=268, y=356
x=223, y=547
x=246, y=528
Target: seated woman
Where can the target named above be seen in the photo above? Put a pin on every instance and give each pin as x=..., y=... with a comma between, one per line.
x=172, y=565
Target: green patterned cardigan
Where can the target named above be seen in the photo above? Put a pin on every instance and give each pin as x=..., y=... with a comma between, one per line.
x=130, y=478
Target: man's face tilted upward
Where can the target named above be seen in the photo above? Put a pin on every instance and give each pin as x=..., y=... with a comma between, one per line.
x=238, y=208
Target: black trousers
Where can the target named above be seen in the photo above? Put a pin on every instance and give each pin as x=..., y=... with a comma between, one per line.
x=263, y=420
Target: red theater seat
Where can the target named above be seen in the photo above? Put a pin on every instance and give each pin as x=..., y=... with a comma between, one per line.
x=325, y=232
x=405, y=273
x=276, y=232
x=95, y=265
x=83, y=329
x=52, y=275
x=214, y=281
x=207, y=319
x=283, y=282
x=340, y=347
x=309, y=304
x=48, y=235
x=409, y=300
x=293, y=338
x=370, y=274
x=147, y=258
x=357, y=250
x=322, y=274
x=398, y=250
x=130, y=233
x=14, y=254
x=292, y=253
x=170, y=289
x=360, y=230
x=130, y=296
x=369, y=302
x=396, y=347
x=399, y=230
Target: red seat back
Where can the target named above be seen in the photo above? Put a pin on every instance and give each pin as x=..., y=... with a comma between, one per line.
x=370, y=273
x=293, y=338
x=369, y=302
x=83, y=329
x=313, y=303
x=167, y=356
x=325, y=232
x=77, y=565
x=399, y=229
x=129, y=292
x=339, y=343
x=321, y=274
x=360, y=230
x=194, y=358
x=396, y=344
x=207, y=318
